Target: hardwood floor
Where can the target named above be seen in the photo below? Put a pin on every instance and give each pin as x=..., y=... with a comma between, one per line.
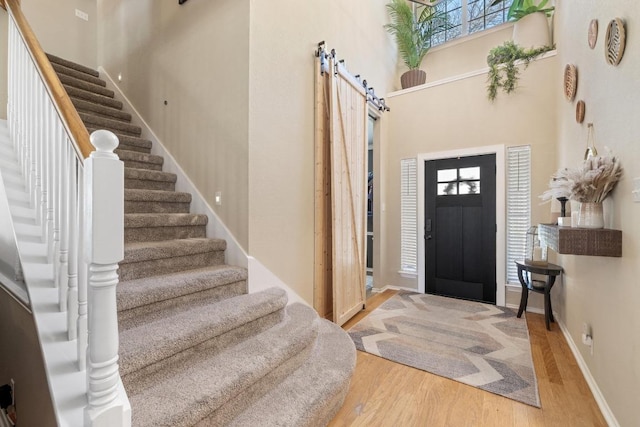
x=385, y=393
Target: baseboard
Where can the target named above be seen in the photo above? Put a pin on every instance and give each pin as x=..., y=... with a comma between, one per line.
x=593, y=386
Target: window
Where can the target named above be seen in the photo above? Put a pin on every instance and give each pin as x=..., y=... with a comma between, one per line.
x=408, y=216
x=469, y=17
x=518, y=206
x=453, y=182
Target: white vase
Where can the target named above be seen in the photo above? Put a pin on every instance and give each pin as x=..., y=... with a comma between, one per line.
x=591, y=215
x=532, y=31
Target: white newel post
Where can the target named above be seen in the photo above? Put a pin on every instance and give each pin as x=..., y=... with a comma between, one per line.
x=104, y=246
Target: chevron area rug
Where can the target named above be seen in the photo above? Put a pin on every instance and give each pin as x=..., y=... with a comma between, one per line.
x=476, y=344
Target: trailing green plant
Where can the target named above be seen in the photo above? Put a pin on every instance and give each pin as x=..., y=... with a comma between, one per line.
x=413, y=31
x=503, y=71
x=522, y=8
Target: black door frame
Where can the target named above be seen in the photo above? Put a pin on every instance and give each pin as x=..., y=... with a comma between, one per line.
x=500, y=152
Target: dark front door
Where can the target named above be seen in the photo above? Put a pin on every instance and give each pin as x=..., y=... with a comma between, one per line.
x=460, y=227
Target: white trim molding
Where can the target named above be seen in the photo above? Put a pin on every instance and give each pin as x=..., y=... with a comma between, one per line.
x=499, y=151
x=607, y=413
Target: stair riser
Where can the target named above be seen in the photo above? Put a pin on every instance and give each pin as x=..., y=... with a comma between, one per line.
x=145, y=184
x=101, y=111
x=155, y=207
x=143, y=378
x=142, y=165
x=147, y=313
x=125, y=146
x=89, y=87
x=138, y=270
x=61, y=69
x=69, y=64
x=92, y=97
x=91, y=121
x=157, y=234
x=238, y=403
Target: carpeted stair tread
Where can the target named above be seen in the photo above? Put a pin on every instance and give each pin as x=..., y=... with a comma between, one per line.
x=85, y=85
x=136, y=156
x=165, y=337
x=80, y=75
x=328, y=370
x=145, y=179
x=138, y=220
x=156, y=201
x=73, y=65
x=93, y=121
x=129, y=142
x=189, y=392
x=141, y=292
x=84, y=106
x=145, y=251
x=75, y=92
x=156, y=196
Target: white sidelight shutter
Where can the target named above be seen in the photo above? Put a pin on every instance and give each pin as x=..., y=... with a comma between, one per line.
x=518, y=206
x=408, y=216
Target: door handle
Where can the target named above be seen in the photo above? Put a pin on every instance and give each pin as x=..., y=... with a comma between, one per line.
x=429, y=237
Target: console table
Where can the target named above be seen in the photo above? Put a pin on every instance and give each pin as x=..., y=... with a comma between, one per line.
x=541, y=287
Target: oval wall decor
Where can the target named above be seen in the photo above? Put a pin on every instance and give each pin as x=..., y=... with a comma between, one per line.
x=570, y=81
x=593, y=33
x=580, y=107
x=614, y=42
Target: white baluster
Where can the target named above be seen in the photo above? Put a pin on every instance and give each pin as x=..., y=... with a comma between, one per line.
x=55, y=189
x=82, y=278
x=31, y=165
x=63, y=268
x=72, y=293
x=104, y=240
x=49, y=147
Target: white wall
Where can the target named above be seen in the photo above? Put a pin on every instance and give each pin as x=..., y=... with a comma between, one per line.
x=196, y=58
x=71, y=37
x=604, y=292
x=284, y=35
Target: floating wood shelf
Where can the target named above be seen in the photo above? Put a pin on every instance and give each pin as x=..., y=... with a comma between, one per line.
x=582, y=241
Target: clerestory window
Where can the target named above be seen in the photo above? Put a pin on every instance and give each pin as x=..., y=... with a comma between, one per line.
x=468, y=17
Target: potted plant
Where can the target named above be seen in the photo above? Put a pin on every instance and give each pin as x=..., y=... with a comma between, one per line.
x=531, y=29
x=503, y=71
x=413, y=33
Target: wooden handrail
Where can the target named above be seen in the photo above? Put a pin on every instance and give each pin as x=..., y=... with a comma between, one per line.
x=70, y=118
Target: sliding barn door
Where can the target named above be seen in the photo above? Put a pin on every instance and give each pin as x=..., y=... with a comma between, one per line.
x=348, y=136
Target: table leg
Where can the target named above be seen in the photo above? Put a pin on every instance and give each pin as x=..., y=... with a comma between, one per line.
x=525, y=293
x=547, y=307
x=551, y=280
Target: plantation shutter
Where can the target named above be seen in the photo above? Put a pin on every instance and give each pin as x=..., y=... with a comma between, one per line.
x=409, y=216
x=518, y=206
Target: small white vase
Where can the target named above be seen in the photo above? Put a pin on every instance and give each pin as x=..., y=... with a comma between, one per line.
x=591, y=215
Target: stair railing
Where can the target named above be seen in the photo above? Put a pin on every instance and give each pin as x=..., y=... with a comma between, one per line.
x=78, y=196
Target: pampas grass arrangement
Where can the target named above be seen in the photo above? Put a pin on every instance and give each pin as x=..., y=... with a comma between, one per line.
x=591, y=182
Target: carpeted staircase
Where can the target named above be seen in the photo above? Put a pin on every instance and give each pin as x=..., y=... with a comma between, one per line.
x=195, y=347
